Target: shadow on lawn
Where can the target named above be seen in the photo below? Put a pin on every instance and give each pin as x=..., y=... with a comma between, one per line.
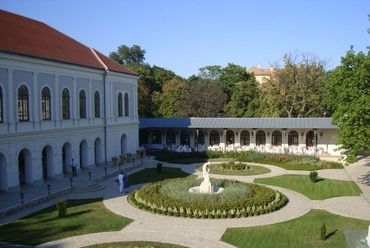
x=331, y=234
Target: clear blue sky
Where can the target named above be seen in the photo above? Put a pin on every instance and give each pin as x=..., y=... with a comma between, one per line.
x=185, y=35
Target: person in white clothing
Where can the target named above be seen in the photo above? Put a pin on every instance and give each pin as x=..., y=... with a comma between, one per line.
x=120, y=182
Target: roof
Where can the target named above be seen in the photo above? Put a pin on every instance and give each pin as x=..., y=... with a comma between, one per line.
x=24, y=36
x=261, y=123
x=260, y=72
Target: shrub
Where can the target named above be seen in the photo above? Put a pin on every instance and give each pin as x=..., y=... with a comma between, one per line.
x=62, y=208
x=313, y=176
x=159, y=167
x=323, y=231
x=174, y=193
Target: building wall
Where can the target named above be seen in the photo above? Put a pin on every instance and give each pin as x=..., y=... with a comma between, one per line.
x=46, y=147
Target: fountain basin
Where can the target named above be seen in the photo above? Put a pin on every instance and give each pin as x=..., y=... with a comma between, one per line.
x=216, y=190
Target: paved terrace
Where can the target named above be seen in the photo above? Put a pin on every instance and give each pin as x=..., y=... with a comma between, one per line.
x=187, y=232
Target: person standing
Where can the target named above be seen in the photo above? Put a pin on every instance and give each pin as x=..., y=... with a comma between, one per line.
x=125, y=182
x=74, y=167
x=120, y=182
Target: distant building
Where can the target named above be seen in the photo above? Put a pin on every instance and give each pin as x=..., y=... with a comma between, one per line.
x=262, y=75
x=59, y=100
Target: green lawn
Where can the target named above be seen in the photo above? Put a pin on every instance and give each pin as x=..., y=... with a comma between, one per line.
x=303, y=232
x=151, y=175
x=135, y=244
x=82, y=216
x=321, y=190
x=45, y=225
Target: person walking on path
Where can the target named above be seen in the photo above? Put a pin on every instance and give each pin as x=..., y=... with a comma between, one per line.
x=74, y=167
x=120, y=182
x=125, y=183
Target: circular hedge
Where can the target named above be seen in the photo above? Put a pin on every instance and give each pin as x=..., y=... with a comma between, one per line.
x=239, y=199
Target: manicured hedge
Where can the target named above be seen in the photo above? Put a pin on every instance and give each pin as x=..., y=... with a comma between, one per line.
x=261, y=200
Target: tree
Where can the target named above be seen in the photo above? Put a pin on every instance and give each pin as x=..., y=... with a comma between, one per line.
x=210, y=72
x=128, y=55
x=230, y=75
x=299, y=85
x=244, y=99
x=349, y=97
x=203, y=99
x=168, y=102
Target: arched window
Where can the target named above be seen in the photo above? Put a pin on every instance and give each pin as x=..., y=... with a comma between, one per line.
x=214, y=138
x=185, y=137
x=276, y=138
x=97, y=104
x=1, y=105
x=156, y=137
x=230, y=137
x=82, y=104
x=170, y=137
x=45, y=104
x=120, y=110
x=65, y=104
x=245, y=138
x=23, y=103
x=293, y=138
x=260, y=138
x=126, y=105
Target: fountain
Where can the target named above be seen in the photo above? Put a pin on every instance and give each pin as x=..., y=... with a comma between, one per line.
x=206, y=187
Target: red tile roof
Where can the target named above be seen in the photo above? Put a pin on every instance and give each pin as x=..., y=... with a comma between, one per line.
x=24, y=36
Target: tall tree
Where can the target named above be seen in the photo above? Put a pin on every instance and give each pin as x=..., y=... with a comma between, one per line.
x=128, y=55
x=210, y=72
x=205, y=98
x=244, y=100
x=298, y=85
x=349, y=96
x=230, y=75
x=168, y=102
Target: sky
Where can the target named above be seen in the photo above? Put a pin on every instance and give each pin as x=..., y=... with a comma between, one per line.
x=186, y=35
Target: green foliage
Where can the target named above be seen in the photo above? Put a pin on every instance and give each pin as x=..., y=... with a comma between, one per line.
x=348, y=95
x=230, y=75
x=286, y=161
x=244, y=99
x=313, y=176
x=62, y=208
x=326, y=189
x=238, y=199
x=159, y=167
x=204, y=98
x=300, y=232
x=128, y=55
x=43, y=226
x=323, y=231
x=297, y=87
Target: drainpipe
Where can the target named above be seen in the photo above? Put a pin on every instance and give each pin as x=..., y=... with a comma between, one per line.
x=105, y=115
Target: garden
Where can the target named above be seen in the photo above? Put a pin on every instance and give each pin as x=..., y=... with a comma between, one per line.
x=307, y=231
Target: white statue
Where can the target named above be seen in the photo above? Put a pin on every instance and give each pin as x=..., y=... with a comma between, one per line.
x=368, y=237
x=206, y=168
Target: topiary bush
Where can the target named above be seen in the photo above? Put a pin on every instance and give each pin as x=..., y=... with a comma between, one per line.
x=62, y=208
x=313, y=176
x=159, y=167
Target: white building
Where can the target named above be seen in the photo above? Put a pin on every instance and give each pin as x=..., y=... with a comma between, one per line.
x=59, y=100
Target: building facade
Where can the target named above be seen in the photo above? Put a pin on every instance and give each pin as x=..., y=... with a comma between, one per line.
x=59, y=100
x=314, y=136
